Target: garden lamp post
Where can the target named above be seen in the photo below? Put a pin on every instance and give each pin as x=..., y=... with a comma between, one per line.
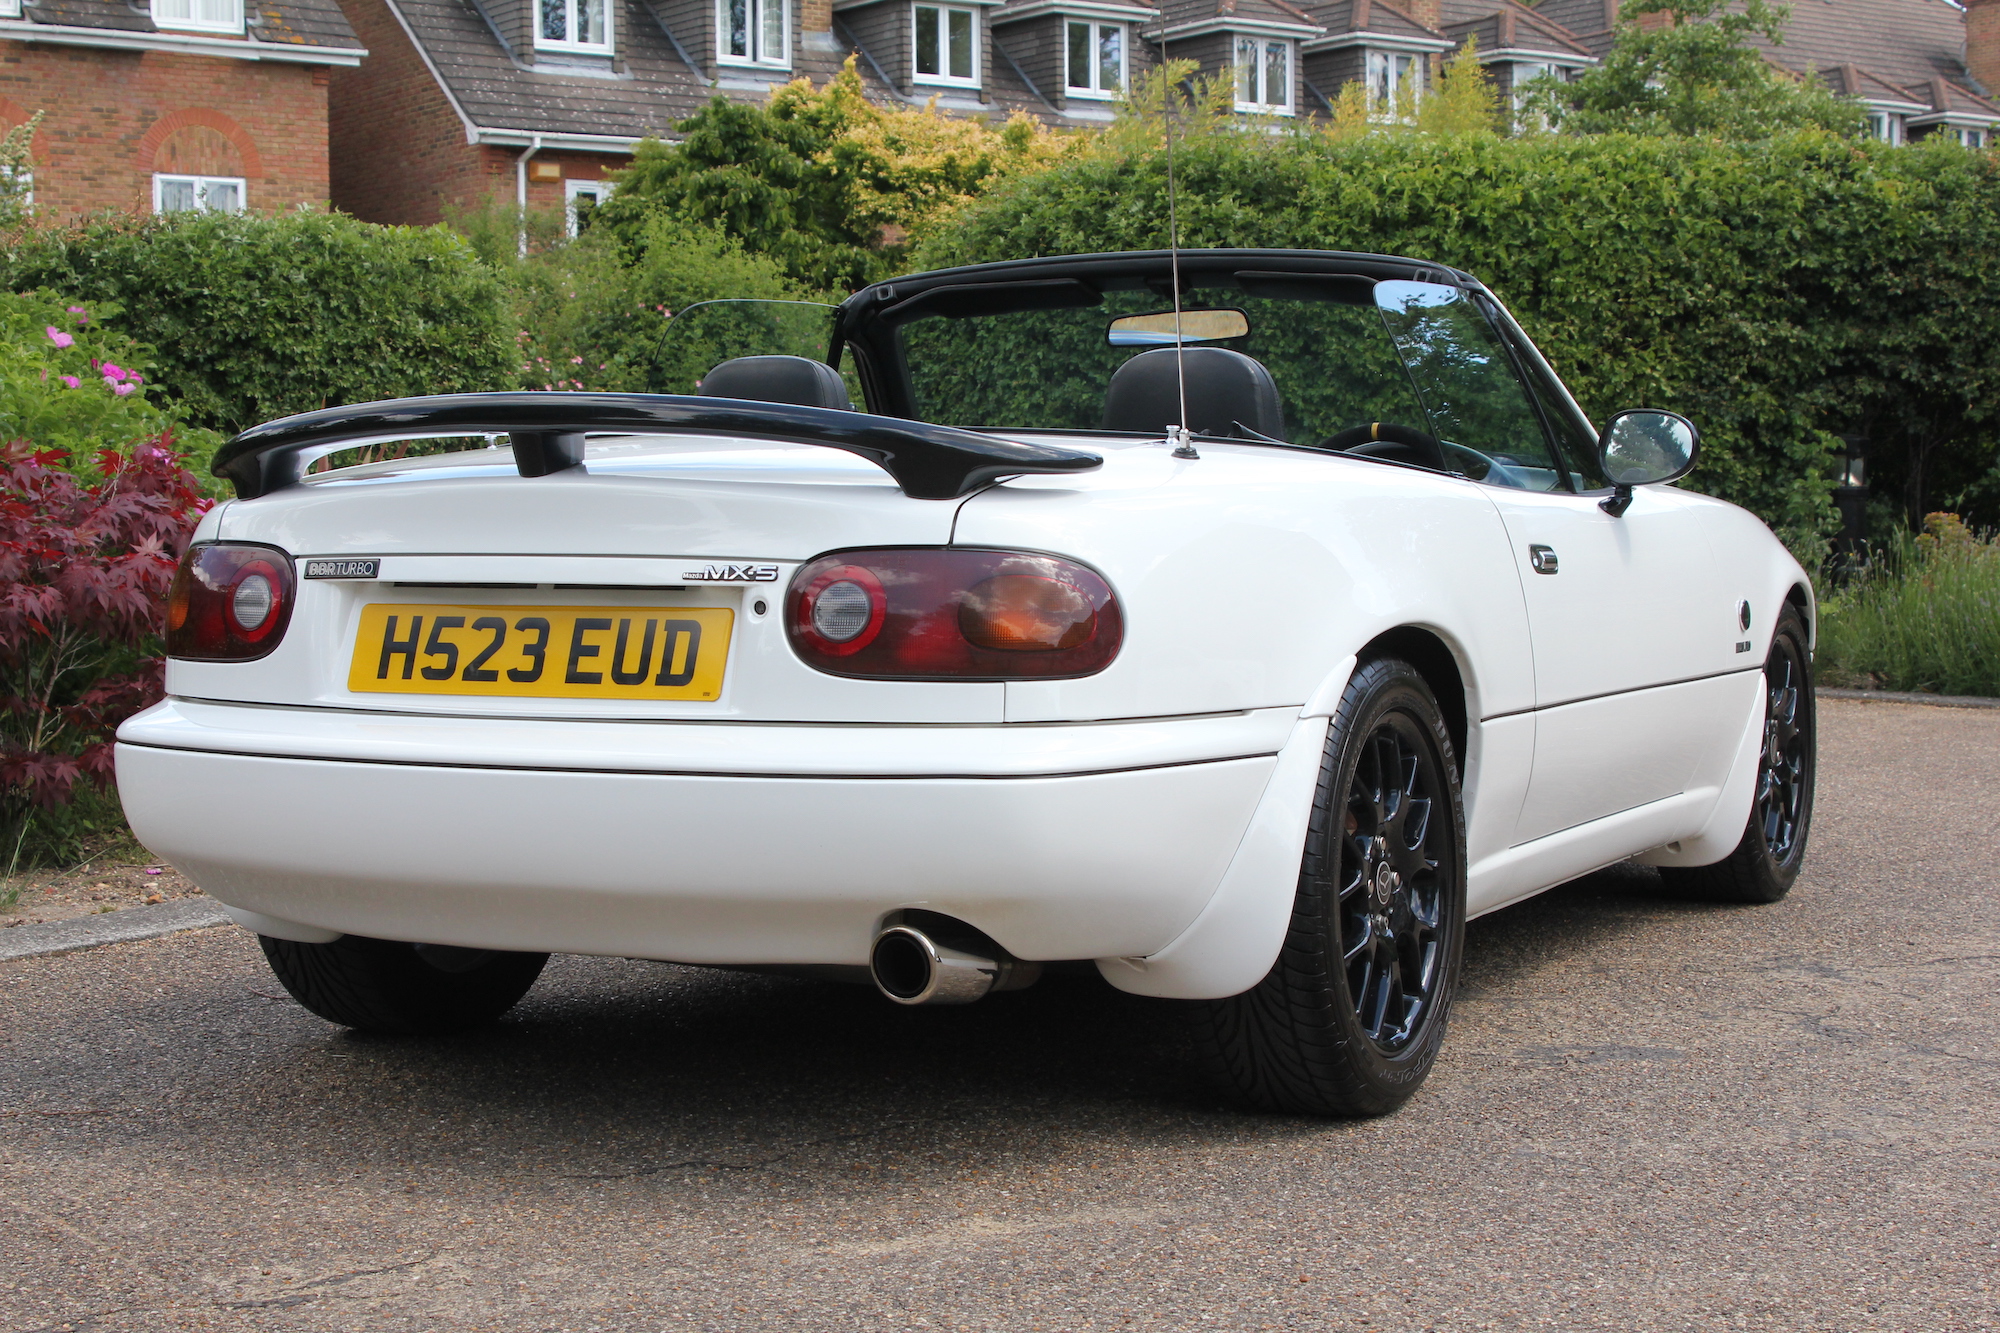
x=1851, y=495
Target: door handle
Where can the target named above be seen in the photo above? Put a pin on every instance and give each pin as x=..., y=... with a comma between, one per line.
x=1542, y=559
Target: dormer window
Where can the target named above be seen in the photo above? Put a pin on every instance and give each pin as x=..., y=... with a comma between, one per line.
x=199, y=15
x=1885, y=127
x=573, y=25
x=947, y=45
x=1264, y=75
x=1096, y=59
x=1393, y=75
x=756, y=32
x=1970, y=136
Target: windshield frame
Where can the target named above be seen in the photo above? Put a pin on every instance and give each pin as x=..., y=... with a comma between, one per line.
x=868, y=322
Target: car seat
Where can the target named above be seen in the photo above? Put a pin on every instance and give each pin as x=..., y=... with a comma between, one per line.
x=1228, y=393
x=778, y=379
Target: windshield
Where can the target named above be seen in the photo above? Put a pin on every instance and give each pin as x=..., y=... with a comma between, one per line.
x=1410, y=371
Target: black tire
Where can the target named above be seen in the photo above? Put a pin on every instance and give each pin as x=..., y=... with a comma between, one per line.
x=1349, y=1020
x=402, y=989
x=1766, y=861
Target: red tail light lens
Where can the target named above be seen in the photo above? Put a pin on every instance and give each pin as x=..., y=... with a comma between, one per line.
x=230, y=602
x=930, y=613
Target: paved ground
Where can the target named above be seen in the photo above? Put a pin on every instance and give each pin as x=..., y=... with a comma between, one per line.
x=1651, y=1115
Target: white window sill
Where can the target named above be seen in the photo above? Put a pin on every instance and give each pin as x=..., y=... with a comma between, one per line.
x=1089, y=95
x=574, y=48
x=190, y=25
x=1259, y=109
x=941, y=81
x=743, y=62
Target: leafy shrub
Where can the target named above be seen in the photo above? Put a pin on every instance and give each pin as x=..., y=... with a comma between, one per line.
x=1772, y=291
x=1695, y=73
x=1923, y=615
x=588, y=313
x=84, y=568
x=70, y=383
x=823, y=181
x=259, y=317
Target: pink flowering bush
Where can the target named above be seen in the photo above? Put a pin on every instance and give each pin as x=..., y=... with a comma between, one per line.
x=70, y=382
x=84, y=569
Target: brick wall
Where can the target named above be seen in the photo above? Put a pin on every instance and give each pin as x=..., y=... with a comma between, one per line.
x=399, y=150
x=115, y=117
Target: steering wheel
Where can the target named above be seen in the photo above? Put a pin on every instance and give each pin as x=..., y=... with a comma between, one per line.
x=1386, y=439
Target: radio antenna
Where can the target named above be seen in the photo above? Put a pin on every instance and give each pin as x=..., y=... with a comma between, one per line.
x=1178, y=435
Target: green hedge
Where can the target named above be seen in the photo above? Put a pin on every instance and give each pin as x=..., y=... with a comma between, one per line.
x=1772, y=291
x=256, y=317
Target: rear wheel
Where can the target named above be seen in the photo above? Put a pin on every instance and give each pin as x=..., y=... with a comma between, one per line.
x=390, y=987
x=1767, y=860
x=1350, y=1018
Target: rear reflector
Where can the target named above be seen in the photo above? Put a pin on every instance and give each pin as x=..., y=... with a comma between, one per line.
x=230, y=602
x=950, y=613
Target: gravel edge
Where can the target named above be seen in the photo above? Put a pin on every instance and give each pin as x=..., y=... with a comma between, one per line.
x=1894, y=697
x=88, y=932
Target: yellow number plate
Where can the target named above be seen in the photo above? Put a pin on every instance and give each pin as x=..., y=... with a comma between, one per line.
x=543, y=652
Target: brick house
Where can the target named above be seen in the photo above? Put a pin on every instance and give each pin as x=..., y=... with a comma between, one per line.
x=1920, y=67
x=173, y=104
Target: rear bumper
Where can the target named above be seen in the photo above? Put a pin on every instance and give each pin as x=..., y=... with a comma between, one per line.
x=702, y=843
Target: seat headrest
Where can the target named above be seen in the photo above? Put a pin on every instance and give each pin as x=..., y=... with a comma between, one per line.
x=778, y=379
x=1224, y=388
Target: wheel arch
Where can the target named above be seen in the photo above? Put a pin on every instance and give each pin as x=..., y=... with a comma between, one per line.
x=1438, y=664
x=1800, y=596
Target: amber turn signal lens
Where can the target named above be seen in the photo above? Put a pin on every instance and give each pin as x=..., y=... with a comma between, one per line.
x=1026, y=613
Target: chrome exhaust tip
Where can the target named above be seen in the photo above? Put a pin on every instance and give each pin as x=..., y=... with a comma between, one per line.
x=912, y=968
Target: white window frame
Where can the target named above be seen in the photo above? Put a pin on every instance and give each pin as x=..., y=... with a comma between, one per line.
x=757, y=55
x=1259, y=102
x=1090, y=88
x=10, y=9
x=194, y=21
x=570, y=10
x=599, y=190
x=945, y=80
x=201, y=185
x=1885, y=127
x=1389, y=66
x=1969, y=136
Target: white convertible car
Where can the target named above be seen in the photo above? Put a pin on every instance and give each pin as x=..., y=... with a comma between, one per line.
x=1241, y=652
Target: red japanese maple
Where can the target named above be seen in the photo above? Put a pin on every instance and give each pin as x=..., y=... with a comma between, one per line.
x=84, y=569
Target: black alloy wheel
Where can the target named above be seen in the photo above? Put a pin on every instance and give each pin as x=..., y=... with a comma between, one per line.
x=1391, y=897
x=1784, y=779
x=1351, y=1016
x=1766, y=862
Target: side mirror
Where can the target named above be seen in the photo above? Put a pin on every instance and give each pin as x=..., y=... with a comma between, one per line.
x=1644, y=447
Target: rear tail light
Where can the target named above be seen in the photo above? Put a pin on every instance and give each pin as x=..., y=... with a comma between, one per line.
x=930, y=613
x=229, y=602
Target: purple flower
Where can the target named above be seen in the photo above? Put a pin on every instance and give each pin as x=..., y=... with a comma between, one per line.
x=82, y=315
x=121, y=389
x=111, y=371
x=57, y=336
x=72, y=381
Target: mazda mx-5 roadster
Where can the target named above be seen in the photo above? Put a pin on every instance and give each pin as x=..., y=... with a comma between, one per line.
x=1235, y=623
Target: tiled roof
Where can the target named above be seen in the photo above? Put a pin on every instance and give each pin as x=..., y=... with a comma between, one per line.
x=1178, y=13
x=288, y=22
x=1371, y=16
x=653, y=90
x=1511, y=27
x=1903, y=42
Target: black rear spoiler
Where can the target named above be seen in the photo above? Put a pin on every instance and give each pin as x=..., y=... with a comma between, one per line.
x=548, y=429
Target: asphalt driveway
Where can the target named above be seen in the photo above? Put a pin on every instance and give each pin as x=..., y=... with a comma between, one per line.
x=1650, y=1115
